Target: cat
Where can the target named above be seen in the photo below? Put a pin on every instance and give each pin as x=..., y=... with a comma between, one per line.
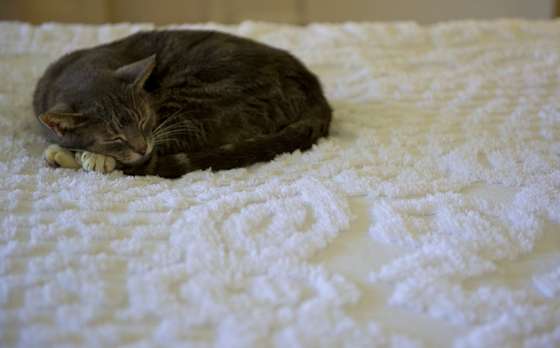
x=169, y=102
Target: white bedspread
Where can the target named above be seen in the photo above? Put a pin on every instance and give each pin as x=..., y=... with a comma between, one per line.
x=430, y=217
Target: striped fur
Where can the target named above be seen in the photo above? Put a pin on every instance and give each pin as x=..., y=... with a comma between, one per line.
x=169, y=102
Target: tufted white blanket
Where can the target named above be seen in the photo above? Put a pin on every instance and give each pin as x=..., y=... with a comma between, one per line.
x=430, y=217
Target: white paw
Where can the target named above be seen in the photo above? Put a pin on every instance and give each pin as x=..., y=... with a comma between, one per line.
x=96, y=162
x=57, y=156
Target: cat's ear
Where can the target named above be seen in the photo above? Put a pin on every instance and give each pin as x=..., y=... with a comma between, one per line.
x=61, y=119
x=138, y=72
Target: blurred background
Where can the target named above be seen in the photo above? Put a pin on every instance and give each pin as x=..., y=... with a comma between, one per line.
x=287, y=11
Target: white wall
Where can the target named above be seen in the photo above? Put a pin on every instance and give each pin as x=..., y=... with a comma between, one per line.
x=290, y=11
x=427, y=11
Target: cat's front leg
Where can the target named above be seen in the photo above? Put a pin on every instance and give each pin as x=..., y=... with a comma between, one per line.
x=57, y=156
x=95, y=162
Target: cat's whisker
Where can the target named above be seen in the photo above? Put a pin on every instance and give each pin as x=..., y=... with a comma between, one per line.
x=175, y=129
x=174, y=126
x=174, y=115
x=177, y=125
x=166, y=141
x=172, y=135
x=169, y=133
x=169, y=119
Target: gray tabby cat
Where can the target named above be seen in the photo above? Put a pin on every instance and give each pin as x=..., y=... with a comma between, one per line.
x=169, y=102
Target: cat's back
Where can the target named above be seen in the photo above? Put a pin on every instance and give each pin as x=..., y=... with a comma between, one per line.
x=225, y=64
x=207, y=50
x=179, y=51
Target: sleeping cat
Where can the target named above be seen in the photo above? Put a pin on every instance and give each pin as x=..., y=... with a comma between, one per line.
x=169, y=102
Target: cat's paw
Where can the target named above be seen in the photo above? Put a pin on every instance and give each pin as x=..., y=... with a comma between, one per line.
x=56, y=156
x=96, y=162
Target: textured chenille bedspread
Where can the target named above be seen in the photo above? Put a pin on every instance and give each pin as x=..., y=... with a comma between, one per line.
x=429, y=218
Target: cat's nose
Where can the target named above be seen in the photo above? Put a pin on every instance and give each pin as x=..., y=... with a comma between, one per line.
x=141, y=148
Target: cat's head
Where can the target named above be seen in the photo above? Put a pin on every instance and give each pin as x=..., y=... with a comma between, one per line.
x=113, y=117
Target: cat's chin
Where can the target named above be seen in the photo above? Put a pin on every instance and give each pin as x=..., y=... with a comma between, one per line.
x=140, y=160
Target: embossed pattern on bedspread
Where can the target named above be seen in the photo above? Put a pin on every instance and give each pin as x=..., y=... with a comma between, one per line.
x=449, y=135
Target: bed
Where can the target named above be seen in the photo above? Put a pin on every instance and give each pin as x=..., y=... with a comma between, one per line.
x=429, y=218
